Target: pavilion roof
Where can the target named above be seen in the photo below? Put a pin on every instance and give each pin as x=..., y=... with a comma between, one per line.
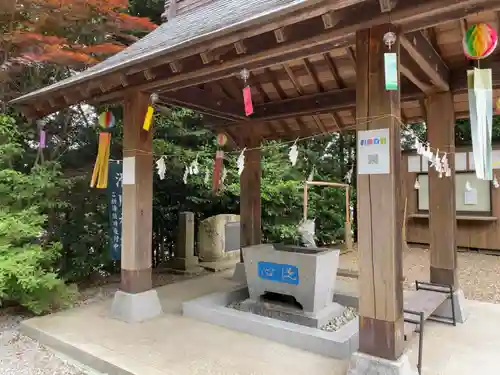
x=216, y=17
x=302, y=58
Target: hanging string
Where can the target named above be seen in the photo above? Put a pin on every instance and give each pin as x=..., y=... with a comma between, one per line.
x=289, y=143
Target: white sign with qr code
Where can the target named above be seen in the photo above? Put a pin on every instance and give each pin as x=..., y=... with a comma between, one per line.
x=373, y=152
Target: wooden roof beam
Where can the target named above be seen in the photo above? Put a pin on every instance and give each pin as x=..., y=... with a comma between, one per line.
x=175, y=66
x=310, y=41
x=203, y=102
x=280, y=35
x=207, y=57
x=240, y=47
x=408, y=73
x=306, y=105
x=425, y=56
x=149, y=75
x=334, y=101
x=331, y=19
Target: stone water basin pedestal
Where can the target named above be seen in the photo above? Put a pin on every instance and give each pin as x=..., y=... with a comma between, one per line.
x=306, y=274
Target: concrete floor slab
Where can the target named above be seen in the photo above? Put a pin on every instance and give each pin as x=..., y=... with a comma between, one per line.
x=175, y=345
x=212, y=309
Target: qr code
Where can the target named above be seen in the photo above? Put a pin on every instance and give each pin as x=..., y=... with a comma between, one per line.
x=373, y=159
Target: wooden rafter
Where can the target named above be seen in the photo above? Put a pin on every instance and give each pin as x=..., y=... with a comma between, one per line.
x=319, y=87
x=412, y=77
x=340, y=83
x=223, y=108
x=305, y=37
x=431, y=35
x=307, y=40
x=232, y=110
x=425, y=56
x=281, y=95
x=302, y=126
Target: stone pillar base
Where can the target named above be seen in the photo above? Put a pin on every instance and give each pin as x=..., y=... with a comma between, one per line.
x=364, y=364
x=134, y=308
x=445, y=309
x=239, y=274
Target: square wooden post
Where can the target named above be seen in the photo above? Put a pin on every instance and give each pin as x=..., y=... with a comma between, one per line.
x=136, y=300
x=442, y=203
x=442, y=215
x=250, y=204
x=380, y=215
x=137, y=197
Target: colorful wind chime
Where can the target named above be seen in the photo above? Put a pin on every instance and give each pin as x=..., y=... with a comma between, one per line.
x=148, y=119
x=218, y=163
x=100, y=173
x=479, y=42
x=247, y=92
x=390, y=63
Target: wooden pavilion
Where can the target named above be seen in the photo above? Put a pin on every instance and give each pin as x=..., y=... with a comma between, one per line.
x=316, y=66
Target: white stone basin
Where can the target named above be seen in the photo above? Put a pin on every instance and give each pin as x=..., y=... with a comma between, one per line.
x=307, y=274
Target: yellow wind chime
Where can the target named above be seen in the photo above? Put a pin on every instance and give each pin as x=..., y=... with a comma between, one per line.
x=106, y=123
x=100, y=174
x=148, y=119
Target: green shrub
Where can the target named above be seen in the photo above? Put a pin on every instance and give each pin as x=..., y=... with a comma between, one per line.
x=27, y=259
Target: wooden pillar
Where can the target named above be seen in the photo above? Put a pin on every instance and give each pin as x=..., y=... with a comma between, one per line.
x=379, y=204
x=442, y=215
x=137, y=197
x=250, y=205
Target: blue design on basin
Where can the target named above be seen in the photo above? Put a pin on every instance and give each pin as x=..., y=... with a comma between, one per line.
x=281, y=273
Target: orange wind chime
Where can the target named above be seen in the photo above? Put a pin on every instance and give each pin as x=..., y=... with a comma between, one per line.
x=100, y=174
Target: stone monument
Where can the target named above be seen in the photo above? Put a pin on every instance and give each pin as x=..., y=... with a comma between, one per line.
x=184, y=258
x=219, y=239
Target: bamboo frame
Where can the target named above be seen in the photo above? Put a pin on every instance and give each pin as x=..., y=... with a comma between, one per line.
x=347, y=227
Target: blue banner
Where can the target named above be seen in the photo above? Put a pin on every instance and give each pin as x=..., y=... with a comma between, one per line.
x=281, y=273
x=115, y=208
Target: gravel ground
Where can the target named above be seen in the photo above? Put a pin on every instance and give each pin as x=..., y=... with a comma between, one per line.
x=478, y=273
x=333, y=325
x=20, y=355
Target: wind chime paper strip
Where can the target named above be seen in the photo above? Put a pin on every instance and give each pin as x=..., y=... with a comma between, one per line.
x=100, y=173
x=247, y=99
x=391, y=71
x=129, y=170
x=481, y=120
x=42, y=138
x=217, y=171
x=148, y=119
